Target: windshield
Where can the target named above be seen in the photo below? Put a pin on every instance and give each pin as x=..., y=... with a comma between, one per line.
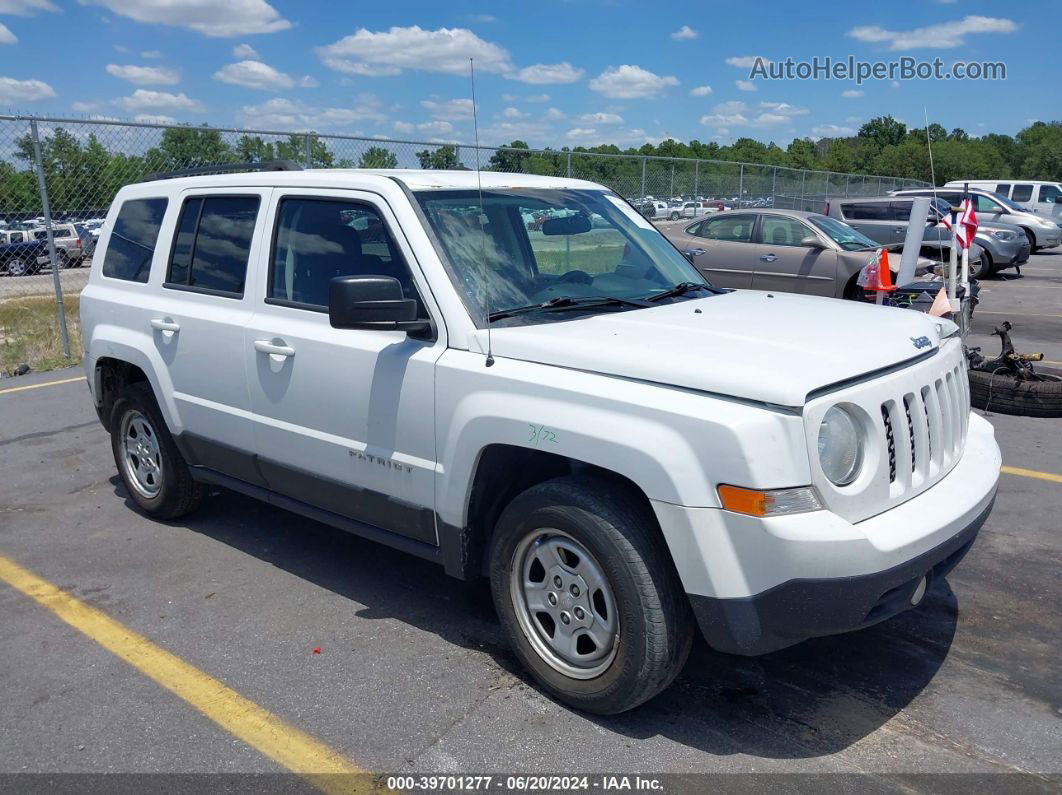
x=842, y=234
x=1006, y=202
x=537, y=245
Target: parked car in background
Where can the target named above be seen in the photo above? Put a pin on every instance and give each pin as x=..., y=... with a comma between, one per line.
x=787, y=250
x=994, y=207
x=1041, y=197
x=884, y=219
x=684, y=210
x=653, y=209
x=20, y=253
x=69, y=246
x=1004, y=245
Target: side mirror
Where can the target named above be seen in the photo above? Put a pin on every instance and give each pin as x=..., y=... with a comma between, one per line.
x=372, y=302
x=812, y=241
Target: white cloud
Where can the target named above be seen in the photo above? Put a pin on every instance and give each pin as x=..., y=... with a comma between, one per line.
x=286, y=113
x=685, y=32
x=404, y=127
x=555, y=114
x=151, y=54
x=26, y=8
x=600, y=118
x=484, y=18
x=13, y=91
x=512, y=113
x=435, y=128
x=854, y=119
x=700, y=91
x=537, y=98
x=309, y=81
x=944, y=35
x=145, y=75
x=832, y=131
x=254, y=74
x=449, y=109
x=746, y=61
x=630, y=82
x=745, y=85
x=154, y=118
x=84, y=107
x=6, y=36
x=852, y=93
x=549, y=73
x=735, y=106
x=245, y=52
x=209, y=17
x=389, y=52
x=145, y=100
x=717, y=119
x=783, y=109
x=581, y=132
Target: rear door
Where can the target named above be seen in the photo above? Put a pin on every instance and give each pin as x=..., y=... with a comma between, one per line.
x=1047, y=200
x=722, y=248
x=783, y=263
x=875, y=220
x=197, y=322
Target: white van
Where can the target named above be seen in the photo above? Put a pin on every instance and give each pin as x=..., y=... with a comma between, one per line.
x=1041, y=197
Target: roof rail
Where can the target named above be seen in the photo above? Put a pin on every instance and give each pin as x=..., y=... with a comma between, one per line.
x=225, y=168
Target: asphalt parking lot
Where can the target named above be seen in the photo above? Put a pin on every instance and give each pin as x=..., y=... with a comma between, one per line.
x=412, y=674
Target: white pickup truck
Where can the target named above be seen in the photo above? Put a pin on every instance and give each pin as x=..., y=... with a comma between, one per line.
x=572, y=411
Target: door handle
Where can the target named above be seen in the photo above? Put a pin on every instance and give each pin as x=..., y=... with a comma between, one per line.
x=265, y=346
x=164, y=324
x=693, y=252
x=768, y=257
x=900, y=230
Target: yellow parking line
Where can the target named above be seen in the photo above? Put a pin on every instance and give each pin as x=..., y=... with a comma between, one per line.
x=1014, y=312
x=1032, y=473
x=259, y=728
x=42, y=384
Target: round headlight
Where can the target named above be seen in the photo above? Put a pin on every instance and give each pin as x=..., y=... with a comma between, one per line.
x=840, y=446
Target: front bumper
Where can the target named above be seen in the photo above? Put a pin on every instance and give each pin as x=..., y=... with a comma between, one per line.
x=757, y=585
x=802, y=609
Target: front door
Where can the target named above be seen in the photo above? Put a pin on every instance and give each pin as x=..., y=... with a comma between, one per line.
x=783, y=263
x=343, y=418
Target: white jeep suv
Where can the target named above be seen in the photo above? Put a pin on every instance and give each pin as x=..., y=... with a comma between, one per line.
x=572, y=411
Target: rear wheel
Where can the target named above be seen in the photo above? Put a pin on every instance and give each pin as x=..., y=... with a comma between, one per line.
x=20, y=266
x=588, y=596
x=674, y=216
x=152, y=469
x=982, y=269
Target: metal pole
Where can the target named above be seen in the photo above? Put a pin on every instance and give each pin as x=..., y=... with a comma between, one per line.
x=644, y=161
x=671, y=189
x=696, y=178
x=308, y=153
x=879, y=186
x=56, y=283
x=827, y=184
x=741, y=184
x=774, y=186
x=569, y=165
x=803, y=176
x=846, y=178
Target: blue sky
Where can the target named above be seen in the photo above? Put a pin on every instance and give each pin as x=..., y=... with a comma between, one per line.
x=552, y=72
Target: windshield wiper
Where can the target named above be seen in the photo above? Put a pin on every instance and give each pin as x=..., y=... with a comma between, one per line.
x=567, y=302
x=685, y=287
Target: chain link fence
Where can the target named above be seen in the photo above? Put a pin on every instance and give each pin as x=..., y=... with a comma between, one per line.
x=58, y=177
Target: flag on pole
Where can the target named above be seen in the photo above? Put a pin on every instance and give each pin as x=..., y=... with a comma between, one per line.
x=967, y=224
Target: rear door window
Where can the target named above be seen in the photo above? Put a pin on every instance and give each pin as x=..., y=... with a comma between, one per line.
x=213, y=244
x=732, y=228
x=866, y=211
x=1022, y=193
x=1003, y=188
x=132, y=243
x=1049, y=194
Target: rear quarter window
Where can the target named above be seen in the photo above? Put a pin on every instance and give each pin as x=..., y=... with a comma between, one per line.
x=133, y=239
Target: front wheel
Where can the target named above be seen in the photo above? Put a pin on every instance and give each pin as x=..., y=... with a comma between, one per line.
x=1032, y=240
x=588, y=596
x=674, y=216
x=20, y=266
x=152, y=469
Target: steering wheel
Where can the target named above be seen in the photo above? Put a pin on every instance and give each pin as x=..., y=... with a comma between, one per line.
x=576, y=277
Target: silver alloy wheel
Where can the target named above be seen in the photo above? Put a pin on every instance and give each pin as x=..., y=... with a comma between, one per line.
x=564, y=603
x=141, y=454
x=17, y=267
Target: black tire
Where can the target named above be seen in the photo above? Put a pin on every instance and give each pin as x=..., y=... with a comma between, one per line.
x=655, y=624
x=20, y=266
x=1032, y=240
x=985, y=269
x=178, y=494
x=62, y=258
x=674, y=216
x=1005, y=395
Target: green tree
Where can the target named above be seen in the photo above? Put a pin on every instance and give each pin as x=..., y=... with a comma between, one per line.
x=252, y=149
x=506, y=159
x=883, y=131
x=443, y=157
x=378, y=157
x=297, y=146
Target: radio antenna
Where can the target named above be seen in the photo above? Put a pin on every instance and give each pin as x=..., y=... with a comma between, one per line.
x=929, y=146
x=482, y=213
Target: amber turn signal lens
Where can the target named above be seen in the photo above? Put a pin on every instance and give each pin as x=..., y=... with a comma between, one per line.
x=754, y=502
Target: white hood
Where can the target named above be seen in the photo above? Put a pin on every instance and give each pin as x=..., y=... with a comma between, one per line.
x=769, y=347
